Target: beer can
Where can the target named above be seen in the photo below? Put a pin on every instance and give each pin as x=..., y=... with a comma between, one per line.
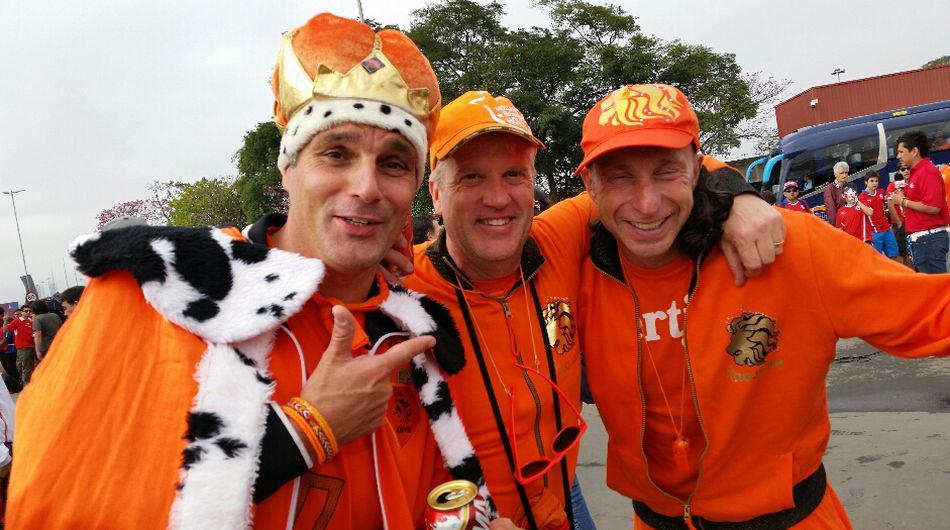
x=455, y=505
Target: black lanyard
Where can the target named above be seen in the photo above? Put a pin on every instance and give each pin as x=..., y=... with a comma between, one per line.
x=496, y=410
x=558, y=423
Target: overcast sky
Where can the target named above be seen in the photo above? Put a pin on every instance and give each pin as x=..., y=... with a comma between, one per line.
x=99, y=98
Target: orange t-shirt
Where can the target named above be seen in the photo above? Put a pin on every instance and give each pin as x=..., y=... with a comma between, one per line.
x=662, y=295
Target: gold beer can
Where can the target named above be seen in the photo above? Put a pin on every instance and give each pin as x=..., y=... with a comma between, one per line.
x=452, y=506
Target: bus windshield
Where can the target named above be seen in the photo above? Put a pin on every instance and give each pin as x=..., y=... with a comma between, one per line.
x=859, y=153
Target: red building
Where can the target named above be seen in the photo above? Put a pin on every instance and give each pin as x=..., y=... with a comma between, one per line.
x=848, y=99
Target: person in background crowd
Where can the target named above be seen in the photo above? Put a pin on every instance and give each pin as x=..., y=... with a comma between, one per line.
x=45, y=326
x=896, y=212
x=945, y=173
x=69, y=298
x=768, y=197
x=924, y=200
x=7, y=408
x=8, y=356
x=807, y=183
x=22, y=328
x=871, y=202
x=542, y=201
x=424, y=229
x=714, y=396
x=791, y=198
x=834, y=198
x=852, y=219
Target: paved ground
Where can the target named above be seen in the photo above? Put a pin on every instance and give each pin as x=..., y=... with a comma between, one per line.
x=889, y=454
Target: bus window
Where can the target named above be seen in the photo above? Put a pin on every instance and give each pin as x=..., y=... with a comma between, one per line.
x=859, y=153
x=937, y=132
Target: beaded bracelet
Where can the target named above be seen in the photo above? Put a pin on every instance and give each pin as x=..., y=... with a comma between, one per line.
x=318, y=424
x=302, y=426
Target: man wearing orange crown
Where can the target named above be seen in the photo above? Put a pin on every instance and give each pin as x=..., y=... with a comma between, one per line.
x=511, y=285
x=235, y=346
x=713, y=395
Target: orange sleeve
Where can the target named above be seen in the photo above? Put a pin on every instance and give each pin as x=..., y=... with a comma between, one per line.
x=566, y=226
x=857, y=293
x=99, y=430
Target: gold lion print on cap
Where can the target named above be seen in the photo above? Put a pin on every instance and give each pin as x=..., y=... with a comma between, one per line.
x=754, y=337
x=559, y=322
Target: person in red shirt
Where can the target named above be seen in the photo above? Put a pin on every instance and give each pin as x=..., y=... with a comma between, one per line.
x=22, y=328
x=834, y=197
x=896, y=212
x=925, y=205
x=871, y=202
x=851, y=219
x=791, y=196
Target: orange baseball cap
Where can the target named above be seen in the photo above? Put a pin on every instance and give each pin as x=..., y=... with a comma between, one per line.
x=474, y=113
x=639, y=115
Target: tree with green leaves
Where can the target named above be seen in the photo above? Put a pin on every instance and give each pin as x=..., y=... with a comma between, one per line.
x=258, y=182
x=208, y=202
x=939, y=61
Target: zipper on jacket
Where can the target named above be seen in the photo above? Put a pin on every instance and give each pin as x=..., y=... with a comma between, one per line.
x=687, y=514
x=503, y=302
x=527, y=379
x=692, y=389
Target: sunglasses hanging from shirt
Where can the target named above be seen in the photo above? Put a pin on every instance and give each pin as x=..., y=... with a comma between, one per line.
x=566, y=438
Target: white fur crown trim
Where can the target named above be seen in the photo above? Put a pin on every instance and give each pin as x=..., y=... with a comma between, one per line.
x=321, y=114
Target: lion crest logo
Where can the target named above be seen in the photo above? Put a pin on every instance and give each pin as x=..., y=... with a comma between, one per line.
x=560, y=326
x=635, y=106
x=754, y=337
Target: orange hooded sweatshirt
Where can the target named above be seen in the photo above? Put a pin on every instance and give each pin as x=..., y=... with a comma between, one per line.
x=150, y=410
x=757, y=362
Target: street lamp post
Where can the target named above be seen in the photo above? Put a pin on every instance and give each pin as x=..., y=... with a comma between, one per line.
x=11, y=193
x=838, y=72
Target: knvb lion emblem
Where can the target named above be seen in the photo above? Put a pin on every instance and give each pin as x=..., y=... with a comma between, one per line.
x=628, y=106
x=754, y=337
x=560, y=326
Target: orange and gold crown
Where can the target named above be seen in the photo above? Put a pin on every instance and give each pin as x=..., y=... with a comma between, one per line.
x=334, y=57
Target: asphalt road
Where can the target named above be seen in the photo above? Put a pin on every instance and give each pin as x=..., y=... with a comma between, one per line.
x=889, y=453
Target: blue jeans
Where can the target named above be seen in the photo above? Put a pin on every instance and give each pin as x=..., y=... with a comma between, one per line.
x=886, y=243
x=582, y=517
x=930, y=253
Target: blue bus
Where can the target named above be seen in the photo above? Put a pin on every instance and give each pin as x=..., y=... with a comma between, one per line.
x=865, y=143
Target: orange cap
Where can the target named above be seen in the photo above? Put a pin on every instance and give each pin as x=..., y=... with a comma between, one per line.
x=474, y=113
x=639, y=115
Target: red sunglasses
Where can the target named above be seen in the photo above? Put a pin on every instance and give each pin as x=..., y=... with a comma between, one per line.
x=563, y=441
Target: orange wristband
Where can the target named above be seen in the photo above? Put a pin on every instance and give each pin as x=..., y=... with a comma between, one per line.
x=318, y=424
x=316, y=449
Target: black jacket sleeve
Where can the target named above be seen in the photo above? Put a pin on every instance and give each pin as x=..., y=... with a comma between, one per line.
x=281, y=460
x=730, y=181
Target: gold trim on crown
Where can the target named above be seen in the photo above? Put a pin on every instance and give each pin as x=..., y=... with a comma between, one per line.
x=383, y=83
